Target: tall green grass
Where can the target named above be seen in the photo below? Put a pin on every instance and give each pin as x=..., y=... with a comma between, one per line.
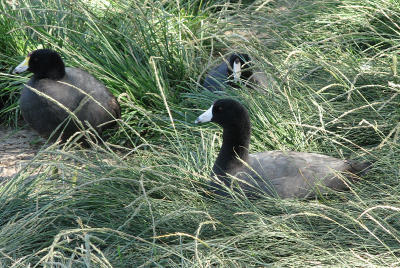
x=334, y=89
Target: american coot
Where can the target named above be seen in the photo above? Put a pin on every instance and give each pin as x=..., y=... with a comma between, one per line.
x=75, y=89
x=235, y=70
x=277, y=173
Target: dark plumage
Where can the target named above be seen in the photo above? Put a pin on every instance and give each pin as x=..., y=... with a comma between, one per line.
x=233, y=71
x=78, y=91
x=277, y=173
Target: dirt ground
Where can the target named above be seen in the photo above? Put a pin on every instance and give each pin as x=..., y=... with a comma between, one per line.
x=16, y=148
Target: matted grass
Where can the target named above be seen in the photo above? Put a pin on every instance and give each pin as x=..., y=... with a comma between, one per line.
x=334, y=89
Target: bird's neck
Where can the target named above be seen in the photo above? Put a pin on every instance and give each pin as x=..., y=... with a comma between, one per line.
x=234, y=151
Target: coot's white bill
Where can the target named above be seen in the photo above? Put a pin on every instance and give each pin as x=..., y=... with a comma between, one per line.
x=237, y=70
x=205, y=117
x=22, y=67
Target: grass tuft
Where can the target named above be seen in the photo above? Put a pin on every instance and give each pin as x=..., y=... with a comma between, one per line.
x=333, y=88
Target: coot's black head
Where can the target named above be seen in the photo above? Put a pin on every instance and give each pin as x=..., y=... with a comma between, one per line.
x=43, y=63
x=239, y=67
x=227, y=113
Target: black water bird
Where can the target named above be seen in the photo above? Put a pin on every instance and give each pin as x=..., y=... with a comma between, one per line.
x=58, y=101
x=234, y=71
x=284, y=174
